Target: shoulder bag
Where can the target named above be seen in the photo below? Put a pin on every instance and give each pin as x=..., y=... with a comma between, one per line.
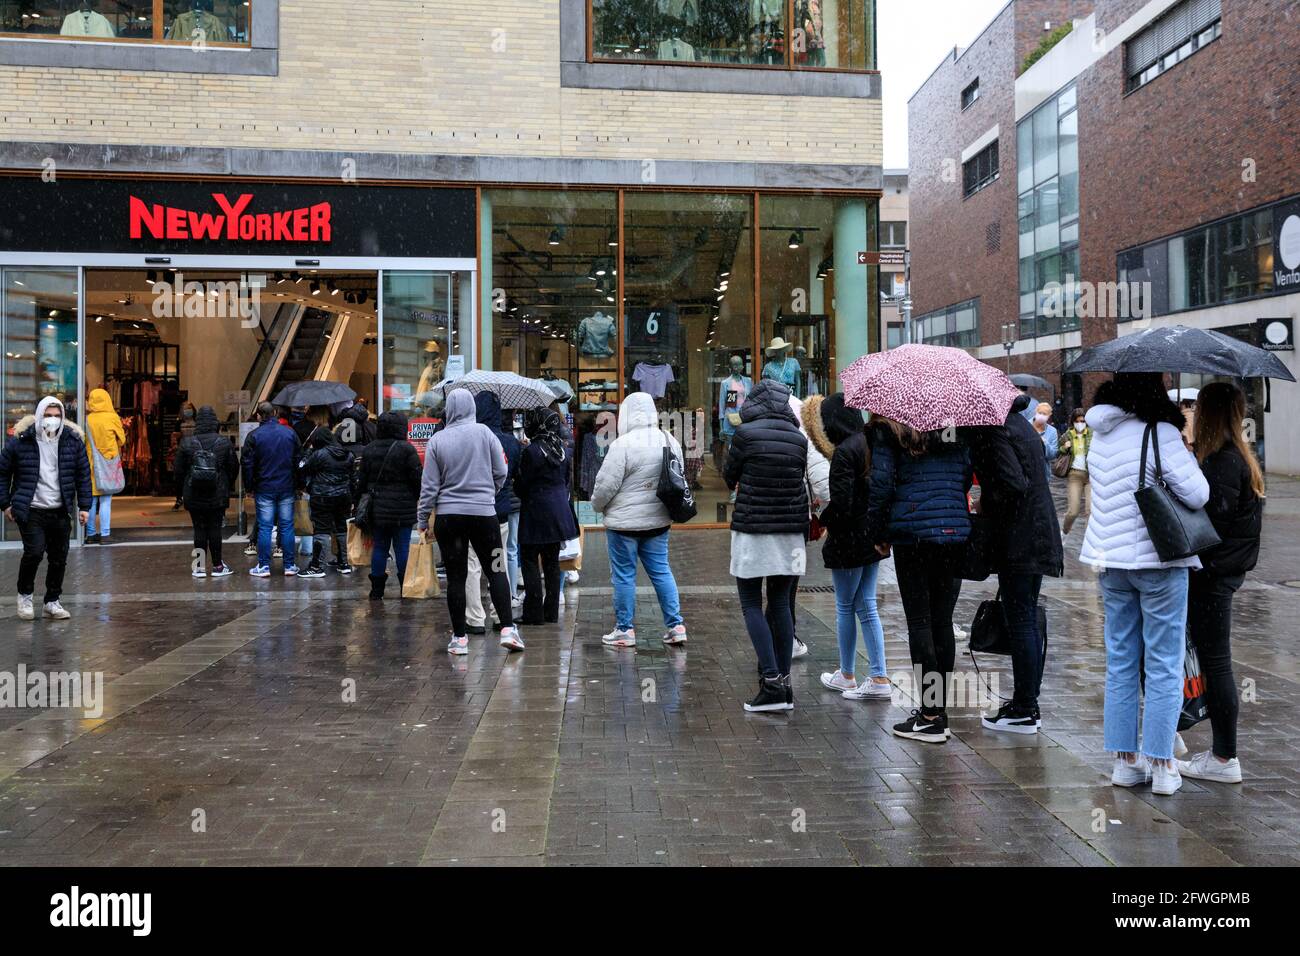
x=364, y=514
x=1176, y=530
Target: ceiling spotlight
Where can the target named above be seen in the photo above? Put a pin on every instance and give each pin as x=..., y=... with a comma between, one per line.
x=796, y=239
x=315, y=287
x=151, y=276
x=556, y=236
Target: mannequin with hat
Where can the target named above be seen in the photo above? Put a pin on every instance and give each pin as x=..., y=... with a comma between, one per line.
x=782, y=366
x=434, y=367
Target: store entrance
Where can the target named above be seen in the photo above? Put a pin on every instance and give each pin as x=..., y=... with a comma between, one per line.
x=159, y=344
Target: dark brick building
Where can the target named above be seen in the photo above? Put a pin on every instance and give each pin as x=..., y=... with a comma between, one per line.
x=1152, y=149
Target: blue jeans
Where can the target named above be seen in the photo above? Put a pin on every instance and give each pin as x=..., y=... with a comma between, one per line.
x=275, y=510
x=855, y=600
x=512, y=555
x=389, y=538
x=1020, y=601
x=102, y=505
x=623, y=553
x=1146, y=621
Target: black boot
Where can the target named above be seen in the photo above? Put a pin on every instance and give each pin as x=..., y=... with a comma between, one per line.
x=771, y=696
x=377, y=582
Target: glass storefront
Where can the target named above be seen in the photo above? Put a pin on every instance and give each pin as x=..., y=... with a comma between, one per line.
x=193, y=22
x=38, y=332
x=428, y=336
x=791, y=34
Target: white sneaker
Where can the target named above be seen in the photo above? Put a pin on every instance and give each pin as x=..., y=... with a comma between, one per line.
x=511, y=640
x=959, y=633
x=837, y=681
x=572, y=576
x=1128, y=774
x=222, y=571
x=676, y=635
x=277, y=552
x=800, y=649
x=260, y=571
x=870, y=690
x=198, y=574
x=26, y=611
x=458, y=646
x=250, y=551
x=619, y=638
x=1180, y=745
x=56, y=610
x=1205, y=766
x=1165, y=779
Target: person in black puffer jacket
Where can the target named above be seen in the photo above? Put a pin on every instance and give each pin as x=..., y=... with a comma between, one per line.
x=918, y=506
x=769, y=527
x=205, y=489
x=391, y=472
x=1236, y=508
x=1023, y=544
x=840, y=434
x=328, y=472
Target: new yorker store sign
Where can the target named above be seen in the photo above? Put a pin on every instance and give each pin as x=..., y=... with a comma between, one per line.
x=231, y=218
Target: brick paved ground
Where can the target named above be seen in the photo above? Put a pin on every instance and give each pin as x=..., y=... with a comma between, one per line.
x=228, y=735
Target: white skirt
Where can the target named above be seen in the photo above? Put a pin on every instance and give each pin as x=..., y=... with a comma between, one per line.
x=767, y=555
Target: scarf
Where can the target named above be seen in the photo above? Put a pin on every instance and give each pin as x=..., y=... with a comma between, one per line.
x=543, y=429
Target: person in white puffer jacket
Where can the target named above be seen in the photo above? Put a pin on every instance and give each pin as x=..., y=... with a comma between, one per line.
x=1145, y=598
x=636, y=521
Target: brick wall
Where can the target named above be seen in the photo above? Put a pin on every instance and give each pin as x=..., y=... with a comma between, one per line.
x=395, y=75
x=1031, y=15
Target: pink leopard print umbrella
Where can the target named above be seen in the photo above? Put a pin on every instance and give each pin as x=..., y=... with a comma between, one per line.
x=929, y=387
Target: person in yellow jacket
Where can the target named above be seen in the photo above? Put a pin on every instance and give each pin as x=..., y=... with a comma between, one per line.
x=104, y=428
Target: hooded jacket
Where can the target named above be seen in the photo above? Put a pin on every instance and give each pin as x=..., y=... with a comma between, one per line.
x=206, y=437
x=767, y=465
x=105, y=430
x=487, y=409
x=464, y=465
x=362, y=428
x=848, y=543
x=1117, y=536
x=271, y=453
x=390, y=471
x=818, y=470
x=20, y=466
x=326, y=467
x=916, y=499
x=627, y=486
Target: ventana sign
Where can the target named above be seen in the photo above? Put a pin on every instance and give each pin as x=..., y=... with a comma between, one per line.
x=230, y=221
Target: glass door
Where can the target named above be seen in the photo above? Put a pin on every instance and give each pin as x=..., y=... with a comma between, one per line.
x=426, y=326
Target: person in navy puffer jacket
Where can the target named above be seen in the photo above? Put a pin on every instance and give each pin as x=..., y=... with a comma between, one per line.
x=918, y=506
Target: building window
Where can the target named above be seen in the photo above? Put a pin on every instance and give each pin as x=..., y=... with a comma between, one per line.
x=957, y=326
x=980, y=170
x=1047, y=178
x=893, y=235
x=1183, y=30
x=192, y=22
x=970, y=94
x=803, y=34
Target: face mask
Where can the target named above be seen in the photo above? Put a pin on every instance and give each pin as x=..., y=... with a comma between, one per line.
x=52, y=425
x=1079, y=427
x=1041, y=419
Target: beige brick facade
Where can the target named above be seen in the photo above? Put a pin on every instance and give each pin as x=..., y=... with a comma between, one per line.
x=402, y=76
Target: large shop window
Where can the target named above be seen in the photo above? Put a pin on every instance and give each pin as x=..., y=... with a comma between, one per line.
x=792, y=34
x=193, y=22
x=428, y=337
x=38, y=332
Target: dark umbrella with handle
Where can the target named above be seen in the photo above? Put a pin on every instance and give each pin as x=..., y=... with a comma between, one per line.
x=1176, y=348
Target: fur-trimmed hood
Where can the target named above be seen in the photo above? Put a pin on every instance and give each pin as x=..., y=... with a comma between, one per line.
x=27, y=424
x=811, y=415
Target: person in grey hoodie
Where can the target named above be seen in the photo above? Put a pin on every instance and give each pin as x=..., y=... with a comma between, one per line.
x=464, y=468
x=636, y=521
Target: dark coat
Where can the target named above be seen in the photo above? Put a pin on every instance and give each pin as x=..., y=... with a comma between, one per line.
x=20, y=469
x=1236, y=512
x=364, y=431
x=487, y=409
x=271, y=454
x=766, y=465
x=328, y=469
x=543, y=488
x=206, y=437
x=394, y=484
x=1024, y=536
x=918, y=498
x=848, y=542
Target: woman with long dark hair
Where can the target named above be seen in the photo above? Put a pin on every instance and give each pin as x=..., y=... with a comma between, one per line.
x=546, y=518
x=1236, y=507
x=1145, y=598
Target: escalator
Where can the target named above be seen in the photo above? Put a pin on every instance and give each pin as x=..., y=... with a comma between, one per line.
x=290, y=350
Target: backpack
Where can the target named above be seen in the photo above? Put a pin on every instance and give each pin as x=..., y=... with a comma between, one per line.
x=203, y=470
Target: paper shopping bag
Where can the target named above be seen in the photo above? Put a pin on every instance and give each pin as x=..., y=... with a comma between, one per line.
x=421, y=575
x=360, y=545
x=571, y=552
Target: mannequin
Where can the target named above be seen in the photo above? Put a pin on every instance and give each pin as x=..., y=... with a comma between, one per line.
x=198, y=23
x=733, y=391
x=596, y=335
x=434, y=367
x=781, y=366
x=85, y=21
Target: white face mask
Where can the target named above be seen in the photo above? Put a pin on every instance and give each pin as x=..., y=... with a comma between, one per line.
x=52, y=424
x=1041, y=419
x=1079, y=427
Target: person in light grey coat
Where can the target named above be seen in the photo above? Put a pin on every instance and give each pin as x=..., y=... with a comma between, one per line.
x=636, y=521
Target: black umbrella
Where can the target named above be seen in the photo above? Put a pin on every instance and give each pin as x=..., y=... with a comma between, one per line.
x=1176, y=348
x=1025, y=380
x=300, y=394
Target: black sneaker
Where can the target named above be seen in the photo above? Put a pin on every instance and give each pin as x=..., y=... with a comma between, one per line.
x=789, y=691
x=92, y=539
x=312, y=571
x=342, y=567
x=931, y=730
x=475, y=629
x=1013, y=720
x=771, y=696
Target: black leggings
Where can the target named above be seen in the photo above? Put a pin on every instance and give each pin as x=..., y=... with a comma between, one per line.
x=771, y=631
x=541, y=562
x=928, y=588
x=207, y=531
x=456, y=534
x=1209, y=623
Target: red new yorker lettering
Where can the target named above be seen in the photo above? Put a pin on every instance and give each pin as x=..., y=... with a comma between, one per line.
x=305, y=224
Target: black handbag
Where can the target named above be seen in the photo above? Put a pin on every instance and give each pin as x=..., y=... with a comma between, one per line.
x=674, y=490
x=990, y=633
x=1176, y=530
x=364, y=514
